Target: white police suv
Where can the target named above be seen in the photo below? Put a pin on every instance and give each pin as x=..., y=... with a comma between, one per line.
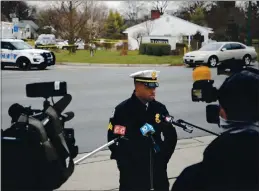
x=16, y=52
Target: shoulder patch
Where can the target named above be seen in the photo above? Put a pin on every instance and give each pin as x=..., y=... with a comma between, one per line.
x=110, y=126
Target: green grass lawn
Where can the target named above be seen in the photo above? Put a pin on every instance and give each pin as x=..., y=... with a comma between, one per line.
x=114, y=57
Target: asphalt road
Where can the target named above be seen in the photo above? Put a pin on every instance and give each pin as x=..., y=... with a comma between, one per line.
x=97, y=90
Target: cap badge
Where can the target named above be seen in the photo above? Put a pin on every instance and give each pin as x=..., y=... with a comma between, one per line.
x=153, y=75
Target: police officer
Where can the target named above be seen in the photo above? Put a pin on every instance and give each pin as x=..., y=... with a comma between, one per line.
x=140, y=167
x=231, y=161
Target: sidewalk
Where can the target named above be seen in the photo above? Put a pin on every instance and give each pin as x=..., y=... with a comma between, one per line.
x=100, y=173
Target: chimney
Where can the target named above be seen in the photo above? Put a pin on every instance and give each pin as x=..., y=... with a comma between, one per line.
x=155, y=14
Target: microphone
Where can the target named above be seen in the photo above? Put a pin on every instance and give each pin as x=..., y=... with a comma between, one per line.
x=148, y=130
x=188, y=127
x=170, y=119
x=119, y=130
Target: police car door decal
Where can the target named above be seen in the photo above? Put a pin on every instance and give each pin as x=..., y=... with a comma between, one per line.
x=8, y=55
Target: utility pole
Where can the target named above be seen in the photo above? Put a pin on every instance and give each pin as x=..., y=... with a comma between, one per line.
x=249, y=15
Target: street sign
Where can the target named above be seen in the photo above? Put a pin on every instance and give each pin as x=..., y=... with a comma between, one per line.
x=15, y=28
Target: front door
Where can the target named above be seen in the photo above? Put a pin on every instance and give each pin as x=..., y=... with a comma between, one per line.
x=225, y=52
x=8, y=53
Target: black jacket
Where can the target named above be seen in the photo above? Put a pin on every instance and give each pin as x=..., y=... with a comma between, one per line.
x=231, y=162
x=133, y=155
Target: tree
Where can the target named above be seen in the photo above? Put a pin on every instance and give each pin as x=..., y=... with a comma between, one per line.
x=19, y=9
x=114, y=25
x=161, y=6
x=226, y=19
x=4, y=18
x=138, y=35
x=252, y=22
x=198, y=17
x=189, y=8
x=132, y=10
x=148, y=27
x=232, y=31
x=75, y=20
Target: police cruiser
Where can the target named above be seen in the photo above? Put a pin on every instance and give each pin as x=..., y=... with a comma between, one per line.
x=15, y=52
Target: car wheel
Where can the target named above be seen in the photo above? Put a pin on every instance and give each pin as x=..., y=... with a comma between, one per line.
x=213, y=61
x=54, y=58
x=247, y=59
x=24, y=64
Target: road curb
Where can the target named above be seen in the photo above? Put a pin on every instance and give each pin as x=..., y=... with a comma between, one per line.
x=116, y=65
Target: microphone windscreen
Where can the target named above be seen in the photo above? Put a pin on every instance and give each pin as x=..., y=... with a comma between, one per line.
x=201, y=73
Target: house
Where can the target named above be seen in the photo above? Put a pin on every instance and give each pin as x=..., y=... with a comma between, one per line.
x=26, y=29
x=166, y=28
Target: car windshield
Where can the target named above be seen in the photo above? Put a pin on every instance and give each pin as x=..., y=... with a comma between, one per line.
x=21, y=45
x=211, y=47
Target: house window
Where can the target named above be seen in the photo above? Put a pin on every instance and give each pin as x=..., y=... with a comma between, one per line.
x=165, y=41
x=28, y=30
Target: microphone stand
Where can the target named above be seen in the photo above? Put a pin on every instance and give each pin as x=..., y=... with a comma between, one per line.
x=151, y=170
x=156, y=150
x=98, y=149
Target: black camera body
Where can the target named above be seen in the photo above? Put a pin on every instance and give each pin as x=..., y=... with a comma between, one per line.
x=203, y=90
x=37, y=149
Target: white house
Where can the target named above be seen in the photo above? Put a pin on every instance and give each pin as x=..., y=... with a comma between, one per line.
x=27, y=29
x=167, y=29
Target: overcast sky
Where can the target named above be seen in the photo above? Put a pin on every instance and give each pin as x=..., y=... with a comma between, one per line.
x=111, y=4
x=173, y=5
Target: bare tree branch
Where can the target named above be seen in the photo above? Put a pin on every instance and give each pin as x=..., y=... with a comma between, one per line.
x=161, y=6
x=132, y=10
x=138, y=34
x=148, y=27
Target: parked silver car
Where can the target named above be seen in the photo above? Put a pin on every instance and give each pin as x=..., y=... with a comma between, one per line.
x=216, y=52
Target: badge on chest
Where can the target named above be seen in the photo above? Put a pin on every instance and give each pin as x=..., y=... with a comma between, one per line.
x=157, y=118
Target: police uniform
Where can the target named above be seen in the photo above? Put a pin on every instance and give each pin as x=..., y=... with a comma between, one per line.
x=140, y=167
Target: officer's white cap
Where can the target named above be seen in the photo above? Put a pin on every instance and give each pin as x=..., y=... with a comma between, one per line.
x=145, y=74
x=148, y=77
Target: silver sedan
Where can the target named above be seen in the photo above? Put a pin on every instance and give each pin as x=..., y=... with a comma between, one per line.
x=213, y=53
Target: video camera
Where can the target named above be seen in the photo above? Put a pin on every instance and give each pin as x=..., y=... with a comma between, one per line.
x=203, y=89
x=37, y=150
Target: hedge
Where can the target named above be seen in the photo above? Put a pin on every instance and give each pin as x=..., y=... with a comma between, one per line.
x=156, y=49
